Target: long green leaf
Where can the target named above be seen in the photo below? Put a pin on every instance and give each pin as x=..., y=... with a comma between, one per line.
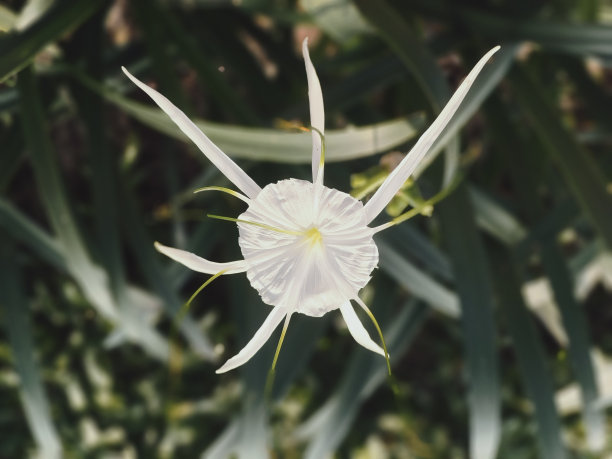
x=17, y=49
x=421, y=63
x=149, y=262
x=530, y=355
x=474, y=288
x=273, y=144
x=328, y=426
x=577, y=167
x=417, y=282
x=495, y=220
x=579, y=342
x=569, y=37
x=16, y=324
x=554, y=264
x=92, y=280
x=21, y=228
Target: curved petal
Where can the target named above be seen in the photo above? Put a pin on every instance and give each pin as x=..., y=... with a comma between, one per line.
x=400, y=174
x=227, y=167
x=199, y=264
x=259, y=339
x=317, y=114
x=358, y=330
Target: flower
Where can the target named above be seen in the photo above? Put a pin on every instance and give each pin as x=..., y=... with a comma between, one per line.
x=307, y=248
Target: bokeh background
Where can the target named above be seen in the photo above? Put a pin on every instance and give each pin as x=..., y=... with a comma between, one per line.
x=496, y=302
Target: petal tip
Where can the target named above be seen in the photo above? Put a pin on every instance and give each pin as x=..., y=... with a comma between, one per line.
x=222, y=369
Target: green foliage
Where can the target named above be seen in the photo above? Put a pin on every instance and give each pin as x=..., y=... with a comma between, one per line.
x=495, y=308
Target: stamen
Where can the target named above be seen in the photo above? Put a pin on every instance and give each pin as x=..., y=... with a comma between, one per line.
x=175, y=363
x=185, y=307
x=225, y=190
x=261, y=225
x=272, y=372
x=425, y=208
x=280, y=341
x=373, y=319
x=322, y=160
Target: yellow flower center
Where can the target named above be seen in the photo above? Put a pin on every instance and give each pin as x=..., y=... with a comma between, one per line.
x=313, y=236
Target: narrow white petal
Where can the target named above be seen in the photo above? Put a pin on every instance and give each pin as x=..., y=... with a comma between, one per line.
x=358, y=330
x=317, y=113
x=258, y=340
x=401, y=173
x=228, y=167
x=199, y=264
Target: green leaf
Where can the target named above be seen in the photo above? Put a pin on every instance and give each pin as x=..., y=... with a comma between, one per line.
x=495, y=220
x=531, y=359
x=90, y=277
x=475, y=291
x=150, y=264
x=420, y=62
x=272, y=144
x=16, y=323
x=576, y=327
x=21, y=228
x=416, y=281
x=327, y=427
x=338, y=18
x=17, y=49
x=568, y=37
x=578, y=168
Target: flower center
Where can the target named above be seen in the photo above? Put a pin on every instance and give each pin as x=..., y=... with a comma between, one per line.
x=313, y=237
x=311, y=249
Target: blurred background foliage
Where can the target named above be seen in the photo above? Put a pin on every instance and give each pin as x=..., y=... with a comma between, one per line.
x=496, y=304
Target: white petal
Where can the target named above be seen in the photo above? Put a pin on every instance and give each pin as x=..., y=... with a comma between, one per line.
x=358, y=330
x=401, y=173
x=199, y=264
x=317, y=114
x=228, y=167
x=258, y=340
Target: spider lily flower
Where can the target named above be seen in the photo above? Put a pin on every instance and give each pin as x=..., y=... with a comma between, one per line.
x=307, y=248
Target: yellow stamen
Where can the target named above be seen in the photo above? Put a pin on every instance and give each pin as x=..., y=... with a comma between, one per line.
x=373, y=319
x=175, y=363
x=322, y=159
x=261, y=225
x=225, y=190
x=272, y=372
x=425, y=208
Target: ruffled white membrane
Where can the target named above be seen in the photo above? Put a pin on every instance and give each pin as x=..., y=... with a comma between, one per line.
x=324, y=256
x=307, y=248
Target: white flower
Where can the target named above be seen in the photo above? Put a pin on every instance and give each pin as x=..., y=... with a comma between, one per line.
x=307, y=248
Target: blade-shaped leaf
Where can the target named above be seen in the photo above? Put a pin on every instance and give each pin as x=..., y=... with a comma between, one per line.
x=18, y=49
x=578, y=168
x=575, y=325
x=16, y=323
x=476, y=294
x=328, y=426
x=272, y=144
x=530, y=356
x=90, y=277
